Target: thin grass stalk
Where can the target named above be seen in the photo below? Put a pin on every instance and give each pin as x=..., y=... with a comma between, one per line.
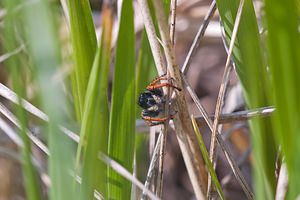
x=11, y=133
x=185, y=148
x=225, y=149
x=163, y=131
x=239, y=116
x=151, y=168
x=167, y=109
x=173, y=21
x=241, y=160
x=224, y=82
x=158, y=59
x=152, y=37
x=207, y=161
x=126, y=174
x=11, y=117
x=183, y=124
x=12, y=96
x=222, y=91
x=11, y=154
x=253, y=74
x=162, y=149
x=201, y=121
x=282, y=184
x=199, y=35
x=64, y=6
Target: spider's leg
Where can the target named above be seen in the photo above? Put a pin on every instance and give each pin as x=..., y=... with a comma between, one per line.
x=156, y=80
x=153, y=87
x=157, y=119
x=153, y=124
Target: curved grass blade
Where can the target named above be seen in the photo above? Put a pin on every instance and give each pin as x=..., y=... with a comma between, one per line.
x=122, y=119
x=207, y=160
x=95, y=122
x=283, y=55
x=84, y=44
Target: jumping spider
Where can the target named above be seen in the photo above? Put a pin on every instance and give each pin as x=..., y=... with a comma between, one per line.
x=153, y=101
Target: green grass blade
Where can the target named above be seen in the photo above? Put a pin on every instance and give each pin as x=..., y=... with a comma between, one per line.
x=252, y=72
x=283, y=56
x=43, y=47
x=122, y=120
x=84, y=44
x=146, y=70
x=17, y=74
x=207, y=160
x=95, y=122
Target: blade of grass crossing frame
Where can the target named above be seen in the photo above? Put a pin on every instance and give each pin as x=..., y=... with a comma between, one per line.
x=283, y=56
x=40, y=24
x=84, y=45
x=207, y=160
x=15, y=68
x=122, y=119
x=252, y=72
x=95, y=121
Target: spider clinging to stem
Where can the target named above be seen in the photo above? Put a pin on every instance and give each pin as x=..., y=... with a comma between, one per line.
x=153, y=101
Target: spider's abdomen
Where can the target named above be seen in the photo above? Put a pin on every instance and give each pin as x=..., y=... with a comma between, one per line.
x=146, y=100
x=150, y=98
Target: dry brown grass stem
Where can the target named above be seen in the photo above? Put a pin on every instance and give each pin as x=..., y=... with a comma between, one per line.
x=224, y=82
x=126, y=174
x=282, y=183
x=198, y=37
x=11, y=117
x=156, y=51
x=173, y=21
x=152, y=165
x=12, y=96
x=225, y=149
x=183, y=125
x=241, y=160
x=238, y=116
x=64, y=5
x=152, y=37
x=159, y=185
x=212, y=153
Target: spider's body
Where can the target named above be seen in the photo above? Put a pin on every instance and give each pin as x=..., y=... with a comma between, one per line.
x=153, y=102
